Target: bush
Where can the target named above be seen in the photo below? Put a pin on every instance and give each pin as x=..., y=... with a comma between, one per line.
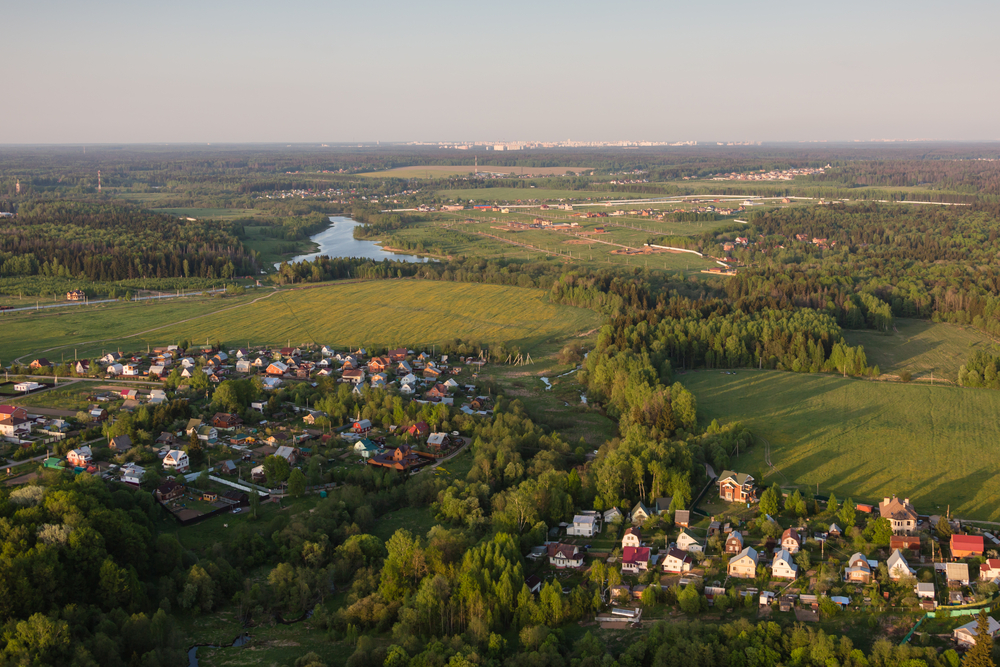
x=905, y=376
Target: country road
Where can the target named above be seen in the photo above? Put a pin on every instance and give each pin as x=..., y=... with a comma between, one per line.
x=91, y=303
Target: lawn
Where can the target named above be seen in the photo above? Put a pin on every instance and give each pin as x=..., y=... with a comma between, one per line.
x=374, y=313
x=214, y=213
x=417, y=520
x=923, y=348
x=935, y=445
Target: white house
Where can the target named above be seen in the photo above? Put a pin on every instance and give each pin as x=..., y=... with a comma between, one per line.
x=409, y=379
x=924, y=591
x=782, y=566
x=243, y=366
x=613, y=514
x=81, y=457
x=176, y=459
x=632, y=537
x=132, y=474
x=676, y=561
x=687, y=542
x=366, y=448
x=898, y=567
x=406, y=390
x=130, y=369
x=564, y=555
x=966, y=635
x=27, y=386
x=115, y=369
x=584, y=525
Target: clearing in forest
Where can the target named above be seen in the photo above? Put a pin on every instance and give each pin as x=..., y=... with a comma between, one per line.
x=864, y=439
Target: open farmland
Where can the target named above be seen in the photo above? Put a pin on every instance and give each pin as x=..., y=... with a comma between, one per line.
x=443, y=171
x=865, y=439
x=525, y=194
x=376, y=313
x=920, y=347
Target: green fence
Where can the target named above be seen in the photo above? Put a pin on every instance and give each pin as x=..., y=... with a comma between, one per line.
x=948, y=612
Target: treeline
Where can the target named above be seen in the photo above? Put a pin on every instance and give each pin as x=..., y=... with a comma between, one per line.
x=109, y=242
x=977, y=177
x=923, y=261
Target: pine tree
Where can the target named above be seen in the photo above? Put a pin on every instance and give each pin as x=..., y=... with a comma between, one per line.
x=981, y=654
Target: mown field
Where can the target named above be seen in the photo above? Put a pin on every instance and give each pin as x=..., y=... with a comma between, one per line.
x=524, y=194
x=938, y=446
x=377, y=313
x=923, y=348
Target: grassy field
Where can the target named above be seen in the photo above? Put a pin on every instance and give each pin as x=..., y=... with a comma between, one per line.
x=524, y=194
x=274, y=250
x=443, y=171
x=935, y=445
x=921, y=347
x=377, y=313
x=214, y=213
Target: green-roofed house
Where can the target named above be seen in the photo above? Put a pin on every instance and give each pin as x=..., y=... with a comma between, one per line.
x=737, y=487
x=365, y=448
x=52, y=463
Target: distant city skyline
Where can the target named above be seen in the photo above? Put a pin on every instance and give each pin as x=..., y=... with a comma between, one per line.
x=311, y=72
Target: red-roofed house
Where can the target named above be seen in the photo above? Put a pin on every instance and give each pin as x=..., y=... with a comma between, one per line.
x=13, y=411
x=419, y=430
x=677, y=561
x=990, y=570
x=964, y=546
x=635, y=559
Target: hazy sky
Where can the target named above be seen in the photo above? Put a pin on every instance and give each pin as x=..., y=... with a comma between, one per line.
x=304, y=71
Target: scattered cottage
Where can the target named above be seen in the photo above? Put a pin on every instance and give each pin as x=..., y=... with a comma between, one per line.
x=966, y=546
x=901, y=515
x=584, y=525
x=635, y=559
x=688, y=542
x=176, y=459
x=957, y=573
x=632, y=537
x=791, y=541
x=565, y=555
x=736, y=487
x=676, y=561
x=899, y=568
x=782, y=566
x=859, y=570
x=966, y=634
x=734, y=543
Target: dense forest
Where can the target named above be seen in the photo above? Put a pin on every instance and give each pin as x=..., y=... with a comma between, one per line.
x=108, y=242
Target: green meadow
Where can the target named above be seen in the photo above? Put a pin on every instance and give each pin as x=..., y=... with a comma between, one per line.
x=376, y=313
x=938, y=446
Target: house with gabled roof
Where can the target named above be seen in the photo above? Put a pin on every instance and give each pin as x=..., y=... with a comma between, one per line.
x=734, y=542
x=632, y=537
x=782, y=566
x=744, y=564
x=957, y=573
x=120, y=443
x=965, y=635
x=737, y=487
x=564, y=555
x=584, y=525
x=176, y=459
x=899, y=568
x=990, y=570
x=640, y=512
x=80, y=457
x=859, y=569
x=635, y=559
x=791, y=540
x=688, y=542
x=676, y=561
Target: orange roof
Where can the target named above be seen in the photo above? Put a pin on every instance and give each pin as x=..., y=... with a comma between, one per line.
x=967, y=543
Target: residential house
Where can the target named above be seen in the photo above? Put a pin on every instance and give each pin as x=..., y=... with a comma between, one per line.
x=859, y=570
x=990, y=570
x=676, y=561
x=366, y=448
x=966, y=546
x=613, y=514
x=734, y=543
x=404, y=368
x=13, y=411
x=157, y=370
x=176, y=459
x=409, y=379
x=900, y=514
x=632, y=538
x=661, y=505
x=82, y=367
x=399, y=354
x=744, y=564
x=965, y=635
x=115, y=369
x=354, y=376
x=271, y=383
x=682, y=518
x=14, y=427
x=584, y=525
x=243, y=366
x=169, y=490
x=924, y=591
x=406, y=389
x=905, y=542
x=635, y=559
x=791, y=541
x=290, y=454
x=361, y=426
x=378, y=364
x=132, y=474
x=957, y=573
x=640, y=512
x=688, y=542
x=402, y=458
x=419, y=430
x=439, y=441
x=131, y=370
x=207, y=433
x=192, y=426
x=111, y=358
x=437, y=392
x=228, y=467
x=565, y=555
x=80, y=458
x=276, y=369
x=782, y=566
x=834, y=530
x=157, y=396
x=98, y=414
x=736, y=487
x=226, y=420
x=121, y=443
x=899, y=568
x=41, y=362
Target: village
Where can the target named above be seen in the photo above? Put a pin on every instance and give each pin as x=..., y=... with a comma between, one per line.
x=213, y=461
x=862, y=559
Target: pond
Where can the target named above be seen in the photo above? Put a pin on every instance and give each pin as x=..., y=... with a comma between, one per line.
x=338, y=241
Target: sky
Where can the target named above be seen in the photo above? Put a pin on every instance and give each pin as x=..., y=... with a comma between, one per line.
x=221, y=71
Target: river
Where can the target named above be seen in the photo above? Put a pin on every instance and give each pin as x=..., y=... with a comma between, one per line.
x=338, y=241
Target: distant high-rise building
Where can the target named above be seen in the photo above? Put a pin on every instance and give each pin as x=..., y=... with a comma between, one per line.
x=17, y=188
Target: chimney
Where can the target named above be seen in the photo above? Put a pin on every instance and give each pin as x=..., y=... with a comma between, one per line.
x=906, y=502
x=885, y=501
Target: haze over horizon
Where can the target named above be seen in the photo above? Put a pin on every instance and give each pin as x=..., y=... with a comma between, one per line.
x=305, y=72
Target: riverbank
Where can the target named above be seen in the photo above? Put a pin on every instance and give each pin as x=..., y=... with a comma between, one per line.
x=338, y=240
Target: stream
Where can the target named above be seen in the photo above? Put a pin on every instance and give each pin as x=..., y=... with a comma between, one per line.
x=193, y=651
